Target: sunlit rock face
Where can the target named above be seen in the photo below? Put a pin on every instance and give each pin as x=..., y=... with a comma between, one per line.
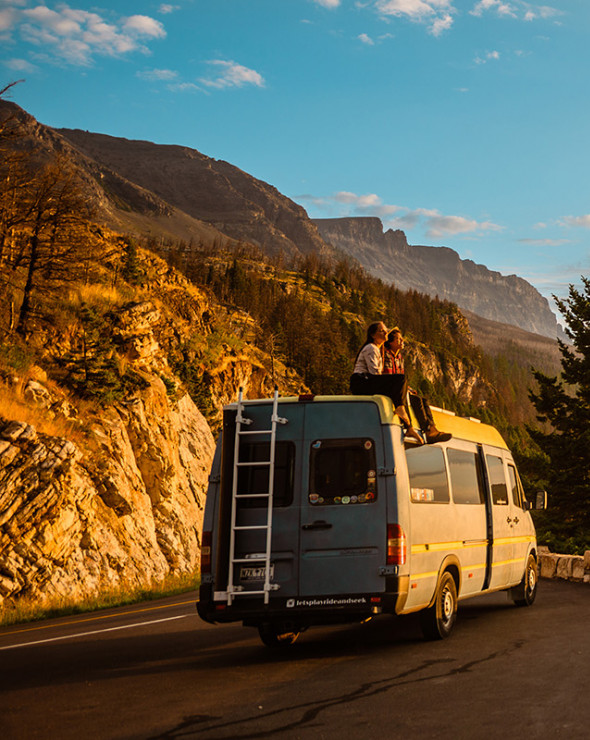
x=123, y=509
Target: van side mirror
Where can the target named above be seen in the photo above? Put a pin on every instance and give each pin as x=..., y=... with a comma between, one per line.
x=539, y=503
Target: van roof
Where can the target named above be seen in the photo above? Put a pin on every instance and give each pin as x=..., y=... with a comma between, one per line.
x=466, y=428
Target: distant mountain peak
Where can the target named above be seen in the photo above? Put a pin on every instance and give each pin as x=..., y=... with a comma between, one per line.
x=440, y=271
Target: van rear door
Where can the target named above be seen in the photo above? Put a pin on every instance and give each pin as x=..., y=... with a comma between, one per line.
x=343, y=501
x=248, y=571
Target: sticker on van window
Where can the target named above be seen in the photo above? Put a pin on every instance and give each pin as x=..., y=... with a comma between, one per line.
x=317, y=444
x=368, y=444
x=371, y=474
x=345, y=499
x=314, y=498
x=422, y=494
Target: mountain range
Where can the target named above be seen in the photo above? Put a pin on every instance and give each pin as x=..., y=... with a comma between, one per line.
x=175, y=192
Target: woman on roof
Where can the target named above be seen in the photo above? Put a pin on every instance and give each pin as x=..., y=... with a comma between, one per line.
x=393, y=365
x=367, y=378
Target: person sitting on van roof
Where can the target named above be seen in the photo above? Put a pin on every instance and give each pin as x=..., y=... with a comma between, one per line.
x=393, y=364
x=367, y=378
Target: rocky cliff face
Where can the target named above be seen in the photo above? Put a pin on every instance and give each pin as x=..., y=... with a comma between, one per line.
x=439, y=271
x=124, y=512
x=234, y=202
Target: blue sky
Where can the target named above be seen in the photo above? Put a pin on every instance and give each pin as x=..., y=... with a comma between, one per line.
x=463, y=122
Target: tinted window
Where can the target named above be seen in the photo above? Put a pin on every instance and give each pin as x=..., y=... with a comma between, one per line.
x=342, y=471
x=466, y=477
x=497, y=480
x=254, y=479
x=428, y=478
x=517, y=493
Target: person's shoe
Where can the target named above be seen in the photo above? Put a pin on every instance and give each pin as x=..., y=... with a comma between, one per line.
x=434, y=436
x=411, y=433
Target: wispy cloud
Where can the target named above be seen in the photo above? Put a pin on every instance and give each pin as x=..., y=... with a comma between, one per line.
x=366, y=39
x=583, y=221
x=368, y=205
x=183, y=87
x=165, y=9
x=76, y=36
x=232, y=74
x=328, y=3
x=487, y=57
x=435, y=224
x=545, y=242
x=157, y=74
x=20, y=65
x=515, y=9
x=497, y=6
x=436, y=14
x=542, y=11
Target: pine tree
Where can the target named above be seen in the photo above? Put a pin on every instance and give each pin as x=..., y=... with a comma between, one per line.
x=564, y=403
x=131, y=271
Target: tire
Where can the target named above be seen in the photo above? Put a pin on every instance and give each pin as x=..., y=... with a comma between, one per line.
x=277, y=635
x=524, y=594
x=437, y=621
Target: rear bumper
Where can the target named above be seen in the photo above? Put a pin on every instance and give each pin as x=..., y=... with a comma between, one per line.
x=304, y=611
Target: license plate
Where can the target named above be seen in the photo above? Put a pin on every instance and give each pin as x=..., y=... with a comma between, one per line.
x=255, y=572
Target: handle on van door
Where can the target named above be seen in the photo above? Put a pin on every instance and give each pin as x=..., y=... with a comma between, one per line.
x=320, y=524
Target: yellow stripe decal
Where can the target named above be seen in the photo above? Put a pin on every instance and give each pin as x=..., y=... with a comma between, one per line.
x=508, y=562
x=438, y=546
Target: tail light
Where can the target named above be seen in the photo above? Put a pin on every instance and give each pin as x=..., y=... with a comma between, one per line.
x=206, y=553
x=396, y=545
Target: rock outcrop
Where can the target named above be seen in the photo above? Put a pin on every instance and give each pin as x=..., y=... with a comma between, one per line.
x=122, y=510
x=439, y=271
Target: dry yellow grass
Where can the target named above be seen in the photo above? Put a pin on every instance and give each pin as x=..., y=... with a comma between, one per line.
x=96, y=294
x=13, y=407
x=28, y=610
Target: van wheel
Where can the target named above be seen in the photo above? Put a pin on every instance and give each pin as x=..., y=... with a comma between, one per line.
x=276, y=635
x=437, y=621
x=524, y=594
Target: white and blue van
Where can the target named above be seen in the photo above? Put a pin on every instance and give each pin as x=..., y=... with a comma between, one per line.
x=319, y=512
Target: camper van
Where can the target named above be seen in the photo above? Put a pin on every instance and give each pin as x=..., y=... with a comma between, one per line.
x=320, y=512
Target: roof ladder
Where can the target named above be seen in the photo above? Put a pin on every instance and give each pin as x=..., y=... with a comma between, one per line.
x=263, y=558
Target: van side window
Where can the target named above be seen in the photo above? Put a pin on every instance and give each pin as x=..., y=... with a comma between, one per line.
x=466, y=477
x=497, y=480
x=428, y=477
x=254, y=478
x=517, y=493
x=342, y=471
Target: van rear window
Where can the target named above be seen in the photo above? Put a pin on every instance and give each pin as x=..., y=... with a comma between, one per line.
x=255, y=479
x=428, y=477
x=342, y=471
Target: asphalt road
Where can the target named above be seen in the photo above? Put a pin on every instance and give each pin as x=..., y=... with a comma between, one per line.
x=156, y=671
